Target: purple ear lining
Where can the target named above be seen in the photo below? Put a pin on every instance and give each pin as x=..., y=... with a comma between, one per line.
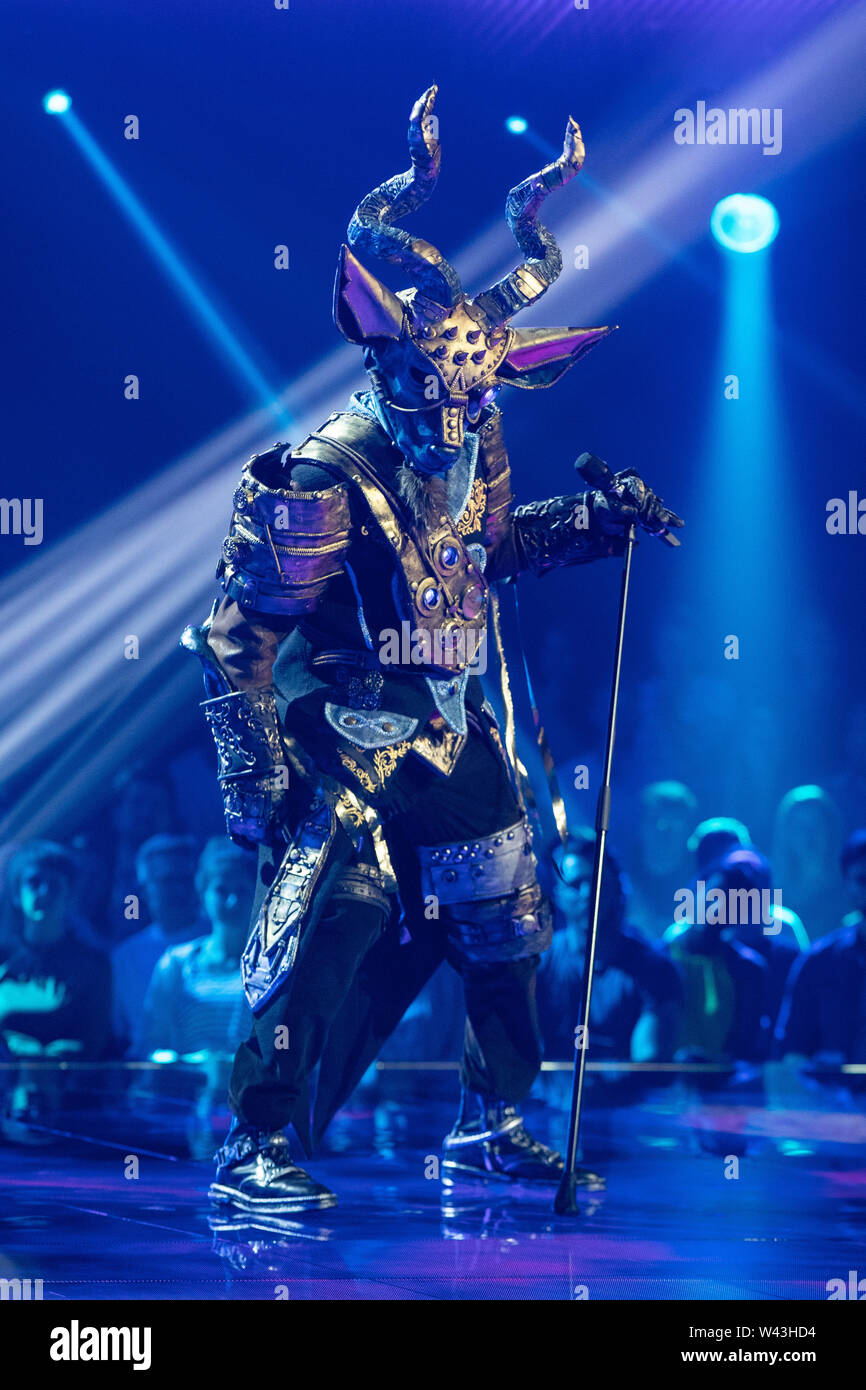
x=536, y=354
x=359, y=296
x=554, y=345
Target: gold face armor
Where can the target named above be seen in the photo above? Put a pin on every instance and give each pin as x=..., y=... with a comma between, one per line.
x=436, y=357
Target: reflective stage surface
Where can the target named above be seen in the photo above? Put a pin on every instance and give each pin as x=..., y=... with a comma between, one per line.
x=711, y=1195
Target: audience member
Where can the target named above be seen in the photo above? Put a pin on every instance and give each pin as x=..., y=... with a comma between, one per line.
x=55, y=988
x=726, y=987
x=195, y=1001
x=806, y=845
x=753, y=918
x=636, y=993
x=143, y=808
x=712, y=839
x=662, y=862
x=45, y=859
x=165, y=870
x=823, y=1016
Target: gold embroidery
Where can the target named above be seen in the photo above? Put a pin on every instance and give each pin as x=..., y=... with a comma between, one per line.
x=348, y=805
x=357, y=772
x=473, y=512
x=351, y=809
x=385, y=762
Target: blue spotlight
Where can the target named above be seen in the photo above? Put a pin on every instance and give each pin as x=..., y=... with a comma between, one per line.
x=57, y=103
x=517, y=125
x=180, y=276
x=744, y=222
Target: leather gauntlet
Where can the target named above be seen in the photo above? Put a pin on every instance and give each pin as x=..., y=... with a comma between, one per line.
x=561, y=531
x=252, y=768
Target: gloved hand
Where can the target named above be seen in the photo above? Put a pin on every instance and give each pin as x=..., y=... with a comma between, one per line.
x=632, y=501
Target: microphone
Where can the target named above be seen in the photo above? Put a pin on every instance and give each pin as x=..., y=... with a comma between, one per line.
x=596, y=473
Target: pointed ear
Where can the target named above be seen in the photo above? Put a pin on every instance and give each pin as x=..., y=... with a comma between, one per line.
x=363, y=307
x=540, y=356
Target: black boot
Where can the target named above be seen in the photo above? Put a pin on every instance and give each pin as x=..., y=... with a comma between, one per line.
x=255, y=1173
x=490, y=1141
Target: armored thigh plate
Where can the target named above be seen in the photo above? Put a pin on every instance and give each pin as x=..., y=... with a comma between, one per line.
x=487, y=889
x=270, y=952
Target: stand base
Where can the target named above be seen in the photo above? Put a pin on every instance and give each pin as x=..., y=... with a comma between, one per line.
x=565, y=1201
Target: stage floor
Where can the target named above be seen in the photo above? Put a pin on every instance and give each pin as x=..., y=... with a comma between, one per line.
x=709, y=1196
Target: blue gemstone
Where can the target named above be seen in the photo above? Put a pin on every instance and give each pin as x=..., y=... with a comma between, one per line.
x=430, y=598
x=449, y=555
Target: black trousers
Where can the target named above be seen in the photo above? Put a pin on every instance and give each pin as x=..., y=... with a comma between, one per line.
x=501, y=1055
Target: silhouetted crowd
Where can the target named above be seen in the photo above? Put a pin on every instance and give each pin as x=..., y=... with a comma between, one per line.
x=125, y=942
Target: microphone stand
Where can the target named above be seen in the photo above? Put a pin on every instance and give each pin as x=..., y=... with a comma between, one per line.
x=565, y=1202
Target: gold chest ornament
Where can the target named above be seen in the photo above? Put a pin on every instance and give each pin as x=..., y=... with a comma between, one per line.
x=448, y=592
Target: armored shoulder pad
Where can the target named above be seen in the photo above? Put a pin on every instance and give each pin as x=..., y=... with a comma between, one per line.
x=283, y=545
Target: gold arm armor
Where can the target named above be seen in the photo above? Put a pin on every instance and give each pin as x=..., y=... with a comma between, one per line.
x=283, y=545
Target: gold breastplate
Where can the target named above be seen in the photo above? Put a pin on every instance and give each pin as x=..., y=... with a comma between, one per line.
x=444, y=595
